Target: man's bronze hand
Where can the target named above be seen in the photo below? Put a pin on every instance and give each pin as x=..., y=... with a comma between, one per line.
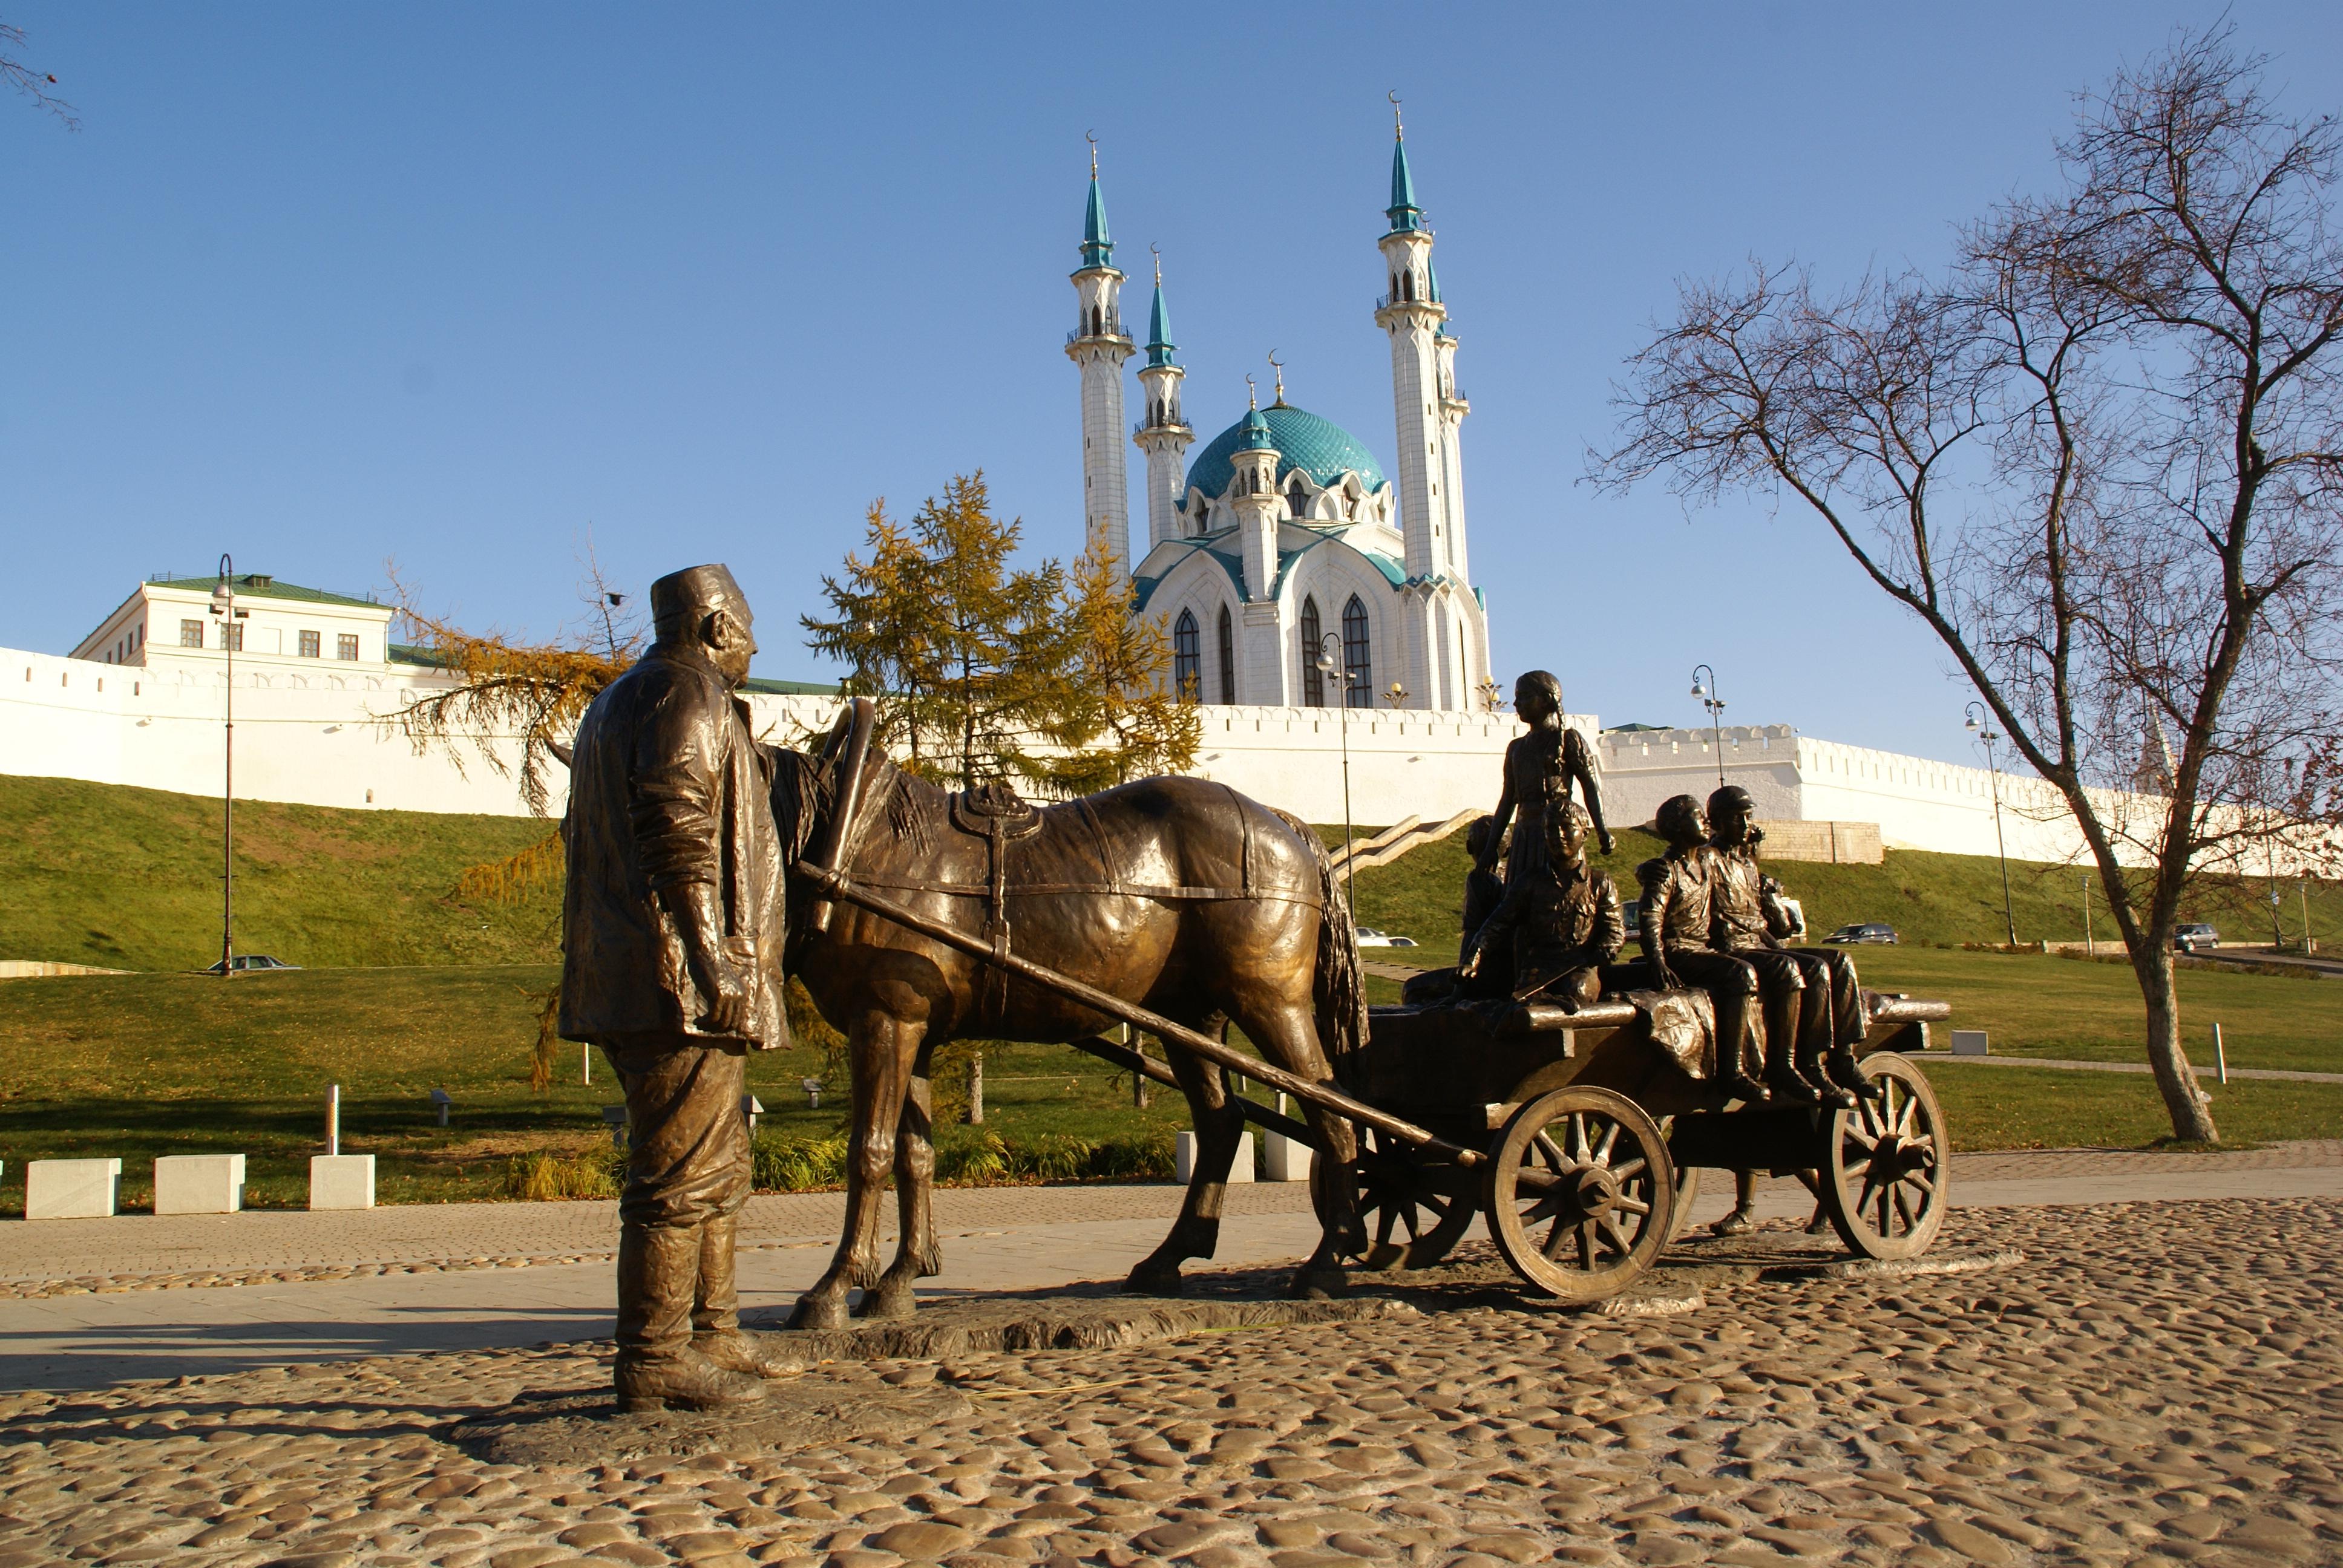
x=728, y=996
x=1666, y=976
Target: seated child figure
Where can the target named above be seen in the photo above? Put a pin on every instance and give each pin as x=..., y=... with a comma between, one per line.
x=1674, y=917
x=1561, y=923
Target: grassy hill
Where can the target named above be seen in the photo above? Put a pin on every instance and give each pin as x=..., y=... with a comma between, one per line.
x=130, y=878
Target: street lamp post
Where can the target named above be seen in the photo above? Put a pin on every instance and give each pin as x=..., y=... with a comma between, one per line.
x=1330, y=663
x=1706, y=692
x=223, y=606
x=1984, y=731
x=2087, y=948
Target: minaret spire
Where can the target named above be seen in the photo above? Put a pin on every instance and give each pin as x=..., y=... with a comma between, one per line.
x=1164, y=433
x=1405, y=215
x=1098, y=346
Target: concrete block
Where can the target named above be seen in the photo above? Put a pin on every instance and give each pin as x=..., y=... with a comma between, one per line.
x=198, y=1184
x=1183, y=1158
x=1968, y=1043
x=1285, y=1158
x=341, y=1182
x=71, y=1188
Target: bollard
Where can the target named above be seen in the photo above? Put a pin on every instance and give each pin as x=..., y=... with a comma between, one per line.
x=440, y=1100
x=2220, y=1056
x=333, y=1120
x=751, y=1108
x=616, y=1115
x=812, y=1087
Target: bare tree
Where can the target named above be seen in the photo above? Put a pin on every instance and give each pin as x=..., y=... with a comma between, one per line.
x=2100, y=458
x=30, y=81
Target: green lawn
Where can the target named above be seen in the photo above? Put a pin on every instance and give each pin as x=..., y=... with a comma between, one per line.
x=141, y=1065
x=130, y=878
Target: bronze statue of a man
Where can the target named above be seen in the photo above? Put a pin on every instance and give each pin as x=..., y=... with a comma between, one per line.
x=671, y=963
x=1674, y=919
x=1540, y=768
x=1813, y=1002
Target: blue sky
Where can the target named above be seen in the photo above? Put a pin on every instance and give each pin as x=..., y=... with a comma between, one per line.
x=464, y=286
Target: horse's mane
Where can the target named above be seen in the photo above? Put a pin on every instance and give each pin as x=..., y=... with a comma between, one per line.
x=804, y=791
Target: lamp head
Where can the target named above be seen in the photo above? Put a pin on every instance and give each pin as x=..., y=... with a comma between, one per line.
x=1697, y=688
x=1326, y=665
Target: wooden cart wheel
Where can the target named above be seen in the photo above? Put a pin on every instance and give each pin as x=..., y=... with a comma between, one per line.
x=1886, y=1164
x=1415, y=1210
x=1581, y=1193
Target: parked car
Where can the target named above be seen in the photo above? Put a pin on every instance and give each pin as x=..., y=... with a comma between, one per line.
x=1857, y=936
x=254, y=963
x=1370, y=938
x=2195, y=937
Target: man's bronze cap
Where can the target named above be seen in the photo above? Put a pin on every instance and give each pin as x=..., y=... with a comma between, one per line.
x=678, y=594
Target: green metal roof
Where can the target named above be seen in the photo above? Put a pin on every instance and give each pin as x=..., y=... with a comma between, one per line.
x=1318, y=447
x=791, y=687
x=1404, y=212
x=1098, y=250
x=1160, y=345
x=259, y=585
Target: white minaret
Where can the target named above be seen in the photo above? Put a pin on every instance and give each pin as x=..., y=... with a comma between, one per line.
x=1451, y=475
x=1164, y=432
x=1099, y=346
x=1411, y=314
x=1254, y=498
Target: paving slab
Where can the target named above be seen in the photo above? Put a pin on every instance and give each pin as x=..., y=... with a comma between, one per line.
x=995, y=1239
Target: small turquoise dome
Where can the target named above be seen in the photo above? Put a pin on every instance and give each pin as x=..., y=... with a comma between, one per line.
x=1318, y=447
x=1253, y=436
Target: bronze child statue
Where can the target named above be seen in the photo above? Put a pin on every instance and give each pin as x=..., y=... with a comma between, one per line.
x=1561, y=922
x=1540, y=768
x=1813, y=1004
x=671, y=963
x=1675, y=919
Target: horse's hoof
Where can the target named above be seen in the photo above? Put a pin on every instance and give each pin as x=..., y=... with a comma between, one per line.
x=884, y=1302
x=1144, y=1281
x=1319, y=1285
x=818, y=1312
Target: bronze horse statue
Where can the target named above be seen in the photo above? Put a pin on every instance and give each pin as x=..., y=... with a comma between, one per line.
x=1177, y=894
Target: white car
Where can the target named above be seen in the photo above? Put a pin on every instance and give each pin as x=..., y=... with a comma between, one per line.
x=1370, y=938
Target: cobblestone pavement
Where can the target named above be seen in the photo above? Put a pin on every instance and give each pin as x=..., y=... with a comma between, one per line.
x=2156, y=1384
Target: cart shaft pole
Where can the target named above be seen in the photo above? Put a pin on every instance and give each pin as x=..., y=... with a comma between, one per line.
x=1132, y=1061
x=842, y=887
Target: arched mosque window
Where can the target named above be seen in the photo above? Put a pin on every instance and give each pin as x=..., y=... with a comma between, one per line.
x=1227, y=658
x=1358, y=664
x=1187, y=660
x=1313, y=684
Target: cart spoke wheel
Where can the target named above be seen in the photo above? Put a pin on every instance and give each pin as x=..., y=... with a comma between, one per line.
x=1884, y=1171
x=1415, y=1211
x=1580, y=1193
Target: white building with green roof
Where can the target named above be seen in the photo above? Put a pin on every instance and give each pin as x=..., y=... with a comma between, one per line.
x=1283, y=537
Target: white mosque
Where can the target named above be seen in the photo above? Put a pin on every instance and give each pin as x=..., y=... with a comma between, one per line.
x=1284, y=538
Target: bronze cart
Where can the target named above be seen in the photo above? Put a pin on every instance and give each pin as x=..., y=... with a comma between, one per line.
x=1568, y=1129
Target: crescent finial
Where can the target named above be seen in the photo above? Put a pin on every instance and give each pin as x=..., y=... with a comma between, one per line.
x=1157, y=251
x=1092, y=137
x=1398, y=132
x=1253, y=394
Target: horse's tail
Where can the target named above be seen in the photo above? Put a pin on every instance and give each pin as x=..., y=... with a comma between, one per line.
x=1338, y=990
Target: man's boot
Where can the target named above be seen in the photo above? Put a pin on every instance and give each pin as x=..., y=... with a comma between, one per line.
x=1736, y=1053
x=1847, y=1073
x=716, y=1330
x=1814, y=1045
x=1784, y=1083
x=656, y=1368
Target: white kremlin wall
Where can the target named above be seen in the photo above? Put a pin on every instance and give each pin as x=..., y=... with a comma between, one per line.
x=340, y=745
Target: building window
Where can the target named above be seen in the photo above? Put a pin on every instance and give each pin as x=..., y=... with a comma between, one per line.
x=1313, y=684
x=1227, y=658
x=1186, y=660
x=1297, y=498
x=232, y=634
x=310, y=648
x=191, y=634
x=346, y=646
x=1358, y=666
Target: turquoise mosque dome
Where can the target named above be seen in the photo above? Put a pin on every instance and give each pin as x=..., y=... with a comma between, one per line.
x=1318, y=447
